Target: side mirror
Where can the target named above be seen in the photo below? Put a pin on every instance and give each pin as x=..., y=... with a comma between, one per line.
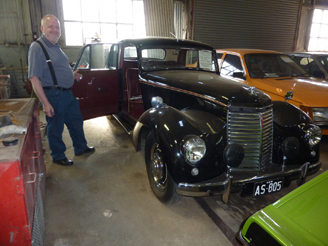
x=239, y=75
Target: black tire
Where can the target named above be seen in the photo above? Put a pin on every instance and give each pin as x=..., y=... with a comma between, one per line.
x=159, y=178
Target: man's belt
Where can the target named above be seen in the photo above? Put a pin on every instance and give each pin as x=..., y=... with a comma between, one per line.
x=56, y=88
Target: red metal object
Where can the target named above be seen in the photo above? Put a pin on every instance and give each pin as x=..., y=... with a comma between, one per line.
x=14, y=228
x=22, y=172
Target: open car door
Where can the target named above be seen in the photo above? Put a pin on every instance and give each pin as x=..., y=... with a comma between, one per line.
x=98, y=91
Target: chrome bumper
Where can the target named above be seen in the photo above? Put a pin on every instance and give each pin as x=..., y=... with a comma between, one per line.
x=242, y=239
x=224, y=184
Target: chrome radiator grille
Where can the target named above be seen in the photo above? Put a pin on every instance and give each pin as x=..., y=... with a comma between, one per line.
x=253, y=131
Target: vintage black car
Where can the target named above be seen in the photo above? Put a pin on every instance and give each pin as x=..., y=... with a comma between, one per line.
x=204, y=135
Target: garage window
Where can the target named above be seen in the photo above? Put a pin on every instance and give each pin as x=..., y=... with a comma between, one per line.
x=102, y=20
x=319, y=31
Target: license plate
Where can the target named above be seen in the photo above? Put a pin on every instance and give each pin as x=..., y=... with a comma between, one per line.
x=267, y=187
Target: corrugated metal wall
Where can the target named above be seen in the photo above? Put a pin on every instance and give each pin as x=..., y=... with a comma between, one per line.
x=262, y=24
x=36, y=15
x=15, y=25
x=179, y=20
x=20, y=18
x=159, y=18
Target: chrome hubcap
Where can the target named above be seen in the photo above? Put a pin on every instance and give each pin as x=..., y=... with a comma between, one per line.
x=158, y=168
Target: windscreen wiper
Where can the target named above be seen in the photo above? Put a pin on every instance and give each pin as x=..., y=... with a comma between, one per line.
x=285, y=75
x=301, y=75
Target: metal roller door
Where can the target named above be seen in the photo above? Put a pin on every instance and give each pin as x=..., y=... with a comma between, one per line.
x=261, y=24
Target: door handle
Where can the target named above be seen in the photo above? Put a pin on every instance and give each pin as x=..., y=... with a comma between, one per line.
x=36, y=154
x=90, y=83
x=101, y=89
x=34, y=178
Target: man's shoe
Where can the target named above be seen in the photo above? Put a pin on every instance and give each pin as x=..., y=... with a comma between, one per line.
x=88, y=150
x=63, y=162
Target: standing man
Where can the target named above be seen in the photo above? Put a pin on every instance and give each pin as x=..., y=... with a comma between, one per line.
x=58, y=101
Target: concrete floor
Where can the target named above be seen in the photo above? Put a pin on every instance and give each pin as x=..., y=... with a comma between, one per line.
x=230, y=217
x=105, y=199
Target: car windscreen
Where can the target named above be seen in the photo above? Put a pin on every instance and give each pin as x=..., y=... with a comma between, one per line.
x=177, y=58
x=272, y=65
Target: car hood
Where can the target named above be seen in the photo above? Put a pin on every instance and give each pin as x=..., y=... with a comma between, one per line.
x=307, y=91
x=301, y=216
x=209, y=86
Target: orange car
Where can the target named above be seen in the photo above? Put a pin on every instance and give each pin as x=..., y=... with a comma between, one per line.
x=276, y=74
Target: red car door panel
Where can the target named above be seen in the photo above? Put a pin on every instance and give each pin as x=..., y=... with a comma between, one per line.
x=97, y=92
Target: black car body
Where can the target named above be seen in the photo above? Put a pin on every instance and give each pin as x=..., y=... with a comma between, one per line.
x=205, y=135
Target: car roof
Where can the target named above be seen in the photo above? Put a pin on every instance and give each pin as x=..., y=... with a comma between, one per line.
x=248, y=51
x=162, y=41
x=159, y=41
x=307, y=54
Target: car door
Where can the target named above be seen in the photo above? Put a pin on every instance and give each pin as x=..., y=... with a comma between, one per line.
x=98, y=90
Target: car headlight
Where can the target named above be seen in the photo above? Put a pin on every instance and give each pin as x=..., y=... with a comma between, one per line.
x=313, y=135
x=320, y=114
x=193, y=149
x=317, y=114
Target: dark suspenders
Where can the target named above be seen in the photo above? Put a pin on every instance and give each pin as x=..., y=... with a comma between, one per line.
x=49, y=63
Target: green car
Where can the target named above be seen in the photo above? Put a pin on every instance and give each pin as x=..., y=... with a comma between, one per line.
x=298, y=218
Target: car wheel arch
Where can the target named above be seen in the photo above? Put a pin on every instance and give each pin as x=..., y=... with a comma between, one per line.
x=169, y=127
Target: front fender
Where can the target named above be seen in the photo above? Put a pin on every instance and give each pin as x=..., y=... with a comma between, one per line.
x=170, y=126
x=291, y=122
x=286, y=114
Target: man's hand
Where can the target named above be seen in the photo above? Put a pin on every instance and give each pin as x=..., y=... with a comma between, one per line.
x=47, y=107
x=48, y=110
x=77, y=75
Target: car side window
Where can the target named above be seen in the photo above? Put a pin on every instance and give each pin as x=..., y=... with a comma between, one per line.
x=112, y=61
x=231, y=64
x=130, y=52
x=94, y=57
x=312, y=66
x=324, y=61
x=84, y=62
x=307, y=63
x=303, y=62
x=99, y=56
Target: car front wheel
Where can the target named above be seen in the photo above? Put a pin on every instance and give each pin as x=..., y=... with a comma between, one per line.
x=160, y=179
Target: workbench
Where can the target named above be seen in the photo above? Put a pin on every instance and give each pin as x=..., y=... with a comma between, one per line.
x=22, y=176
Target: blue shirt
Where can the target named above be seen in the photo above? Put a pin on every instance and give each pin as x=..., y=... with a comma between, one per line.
x=37, y=65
